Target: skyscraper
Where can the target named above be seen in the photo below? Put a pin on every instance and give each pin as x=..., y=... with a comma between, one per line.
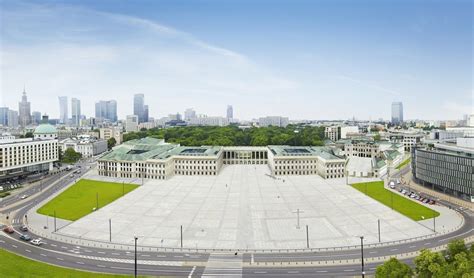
x=397, y=113
x=139, y=107
x=145, y=114
x=63, y=113
x=12, y=118
x=24, y=107
x=189, y=114
x=36, y=117
x=75, y=111
x=4, y=116
x=230, y=112
x=106, y=110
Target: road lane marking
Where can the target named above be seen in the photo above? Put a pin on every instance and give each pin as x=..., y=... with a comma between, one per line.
x=14, y=246
x=43, y=255
x=395, y=249
x=116, y=254
x=145, y=255
x=372, y=252
x=322, y=271
x=79, y=262
x=27, y=250
x=99, y=265
x=428, y=243
x=347, y=270
x=63, y=247
x=54, y=245
x=259, y=272
x=100, y=252
x=412, y=246
x=61, y=259
x=293, y=272
x=192, y=271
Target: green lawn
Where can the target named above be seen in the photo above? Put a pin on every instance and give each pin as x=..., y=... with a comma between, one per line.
x=405, y=162
x=405, y=206
x=80, y=199
x=12, y=265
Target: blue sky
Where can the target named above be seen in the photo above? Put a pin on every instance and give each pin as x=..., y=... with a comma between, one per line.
x=302, y=59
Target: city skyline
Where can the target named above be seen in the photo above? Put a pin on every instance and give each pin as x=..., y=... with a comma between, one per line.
x=299, y=67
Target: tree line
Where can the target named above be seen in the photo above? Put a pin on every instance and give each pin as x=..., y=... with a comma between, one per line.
x=456, y=261
x=234, y=136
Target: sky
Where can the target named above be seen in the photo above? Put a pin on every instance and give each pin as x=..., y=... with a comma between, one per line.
x=331, y=59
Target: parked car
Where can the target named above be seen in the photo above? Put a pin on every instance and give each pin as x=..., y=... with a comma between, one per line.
x=36, y=241
x=392, y=186
x=24, y=228
x=25, y=237
x=23, y=196
x=432, y=202
x=8, y=230
x=426, y=201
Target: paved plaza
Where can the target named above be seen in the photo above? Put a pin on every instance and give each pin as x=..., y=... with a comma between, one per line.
x=244, y=207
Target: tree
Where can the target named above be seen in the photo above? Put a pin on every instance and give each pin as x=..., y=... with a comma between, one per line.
x=393, y=268
x=455, y=247
x=429, y=264
x=377, y=137
x=111, y=143
x=71, y=156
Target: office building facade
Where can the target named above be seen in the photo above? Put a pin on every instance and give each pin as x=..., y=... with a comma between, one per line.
x=63, y=110
x=397, y=113
x=75, y=112
x=230, y=112
x=106, y=110
x=445, y=167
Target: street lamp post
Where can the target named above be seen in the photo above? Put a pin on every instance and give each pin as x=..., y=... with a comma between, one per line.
x=378, y=222
x=110, y=229
x=362, y=255
x=136, y=238
x=55, y=221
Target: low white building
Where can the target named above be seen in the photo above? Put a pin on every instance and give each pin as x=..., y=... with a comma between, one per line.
x=209, y=121
x=131, y=123
x=21, y=157
x=155, y=159
x=273, y=121
x=85, y=145
x=112, y=132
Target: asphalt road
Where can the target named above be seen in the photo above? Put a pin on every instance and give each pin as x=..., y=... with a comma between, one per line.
x=191, y=264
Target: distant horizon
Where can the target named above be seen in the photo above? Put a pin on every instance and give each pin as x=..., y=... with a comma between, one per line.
x=307, y=60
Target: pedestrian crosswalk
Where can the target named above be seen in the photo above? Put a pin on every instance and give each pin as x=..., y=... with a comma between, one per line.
x=223, y=265
x=129, y=261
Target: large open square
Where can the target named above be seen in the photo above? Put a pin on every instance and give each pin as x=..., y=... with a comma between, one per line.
x=244, y=207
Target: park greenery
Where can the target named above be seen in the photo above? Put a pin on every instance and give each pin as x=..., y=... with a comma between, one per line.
x=69, y=156
x=456, y=261
x=13, y=265
x=234, y=136
x=85, y=196
x=405, y=206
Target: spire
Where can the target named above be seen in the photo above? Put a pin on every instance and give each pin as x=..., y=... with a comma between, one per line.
x=24, y=89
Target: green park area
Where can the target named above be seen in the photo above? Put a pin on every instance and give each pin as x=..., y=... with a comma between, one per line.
x=83, y=197
x=403, y=164
x=13, y=265
x=403, y=205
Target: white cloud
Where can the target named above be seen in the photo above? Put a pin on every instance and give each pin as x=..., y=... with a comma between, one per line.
x=79, y=55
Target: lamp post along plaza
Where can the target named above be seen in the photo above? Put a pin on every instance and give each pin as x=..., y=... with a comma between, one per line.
x=362, y=255
x=135, y=238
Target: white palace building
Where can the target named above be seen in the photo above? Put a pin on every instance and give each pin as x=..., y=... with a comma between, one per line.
x=151, y=158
